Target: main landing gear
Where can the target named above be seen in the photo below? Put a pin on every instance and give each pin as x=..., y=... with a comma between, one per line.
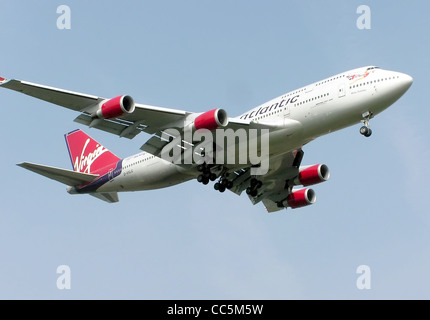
x=206, y=175
x=252, y=190
x=210, y=172
x=223, y=184
x=365, y=130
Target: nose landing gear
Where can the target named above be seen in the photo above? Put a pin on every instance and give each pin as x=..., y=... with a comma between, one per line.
x=365, y=130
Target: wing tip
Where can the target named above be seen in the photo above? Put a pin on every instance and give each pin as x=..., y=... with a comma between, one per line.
x=3, y=80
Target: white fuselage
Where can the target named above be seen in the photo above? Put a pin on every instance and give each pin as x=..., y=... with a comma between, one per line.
x=300, y=116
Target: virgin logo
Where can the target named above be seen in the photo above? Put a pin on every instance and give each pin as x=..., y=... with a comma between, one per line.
x=84, y=162
x=360, y=76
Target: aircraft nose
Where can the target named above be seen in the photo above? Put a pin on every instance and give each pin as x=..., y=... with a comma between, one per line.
x=406, y=81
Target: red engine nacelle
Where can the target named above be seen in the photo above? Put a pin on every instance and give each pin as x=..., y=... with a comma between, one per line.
x=312, y=175
x=116, y=107
x=300, y=198
x=211, y=120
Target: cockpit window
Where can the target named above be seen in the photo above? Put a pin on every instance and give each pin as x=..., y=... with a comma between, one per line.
x=371, y=68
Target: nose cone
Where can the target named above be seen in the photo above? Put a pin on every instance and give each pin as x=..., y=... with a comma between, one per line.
x=405, y=81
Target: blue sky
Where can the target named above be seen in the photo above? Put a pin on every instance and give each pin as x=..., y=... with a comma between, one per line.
x=188, y=241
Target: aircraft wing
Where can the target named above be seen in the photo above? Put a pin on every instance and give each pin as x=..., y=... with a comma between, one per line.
x=145, y=118
x=276, y=187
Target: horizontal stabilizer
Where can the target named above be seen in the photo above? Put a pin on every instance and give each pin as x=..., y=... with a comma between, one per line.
x=68, y=177
x=110, y=197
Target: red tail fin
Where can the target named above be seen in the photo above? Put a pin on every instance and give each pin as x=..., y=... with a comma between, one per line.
x=89, y=156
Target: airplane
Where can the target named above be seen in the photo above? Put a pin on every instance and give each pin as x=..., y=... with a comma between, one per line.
x=293, y=120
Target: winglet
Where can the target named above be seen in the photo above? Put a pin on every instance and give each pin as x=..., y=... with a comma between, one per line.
x=2, y=80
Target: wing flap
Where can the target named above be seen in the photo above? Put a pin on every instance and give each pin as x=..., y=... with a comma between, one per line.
x=156, y=119
x=154, y=146
x=68, y=177
x=115, y=126
x=271, y=206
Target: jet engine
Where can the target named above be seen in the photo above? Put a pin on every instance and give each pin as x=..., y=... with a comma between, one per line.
x=116, y=107
x=211, y=120
x=300, y=198
x=310, y=175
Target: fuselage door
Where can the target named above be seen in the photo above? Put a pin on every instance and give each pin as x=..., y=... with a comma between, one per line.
x=341, y=90
x=286, y=111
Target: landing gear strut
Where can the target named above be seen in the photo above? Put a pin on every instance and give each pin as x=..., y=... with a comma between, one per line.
x=365, y=130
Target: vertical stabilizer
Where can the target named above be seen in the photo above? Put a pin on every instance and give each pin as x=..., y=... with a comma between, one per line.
x=89, y=156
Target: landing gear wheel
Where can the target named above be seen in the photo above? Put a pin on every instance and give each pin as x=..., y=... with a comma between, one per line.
x=229, y=185
x=248, y=190
x=256, y=183
x=253, y=193
x=366, y=131
x=212, y=177
x=363, y=130
x=218, y=186
x=205, y=181
x=369, y=133
x=200, y=178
